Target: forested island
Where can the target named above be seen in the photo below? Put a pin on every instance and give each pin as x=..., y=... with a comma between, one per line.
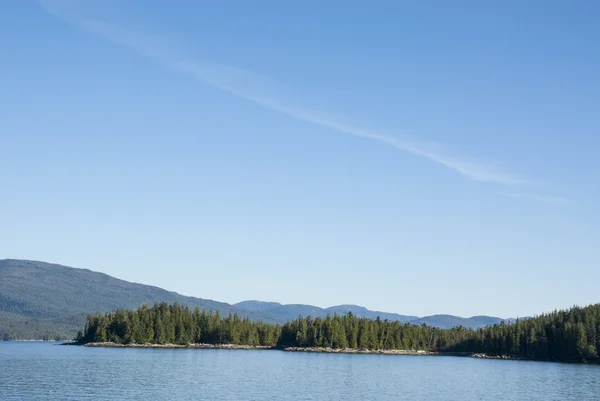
x=570, y=336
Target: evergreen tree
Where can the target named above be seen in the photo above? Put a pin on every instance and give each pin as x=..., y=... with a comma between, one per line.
x=572, y=335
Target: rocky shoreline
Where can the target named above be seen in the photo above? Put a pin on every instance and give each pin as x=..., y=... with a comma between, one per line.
x=198, y=346
x=324, y=350
x=509, y=357
x=358, y=351
x=327, y=350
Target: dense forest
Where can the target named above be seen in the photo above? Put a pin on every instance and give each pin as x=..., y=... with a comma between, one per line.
x=176, y=324
x=572, y=335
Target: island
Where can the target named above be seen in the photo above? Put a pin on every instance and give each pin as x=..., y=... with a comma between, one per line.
x=571, y=335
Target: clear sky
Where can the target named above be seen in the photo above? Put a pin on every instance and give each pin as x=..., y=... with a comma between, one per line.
x=416, y=157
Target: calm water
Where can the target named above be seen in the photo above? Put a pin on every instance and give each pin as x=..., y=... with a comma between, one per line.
x=38, y=371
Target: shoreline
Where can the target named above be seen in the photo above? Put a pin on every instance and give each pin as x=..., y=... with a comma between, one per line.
x=328, y=350
x=185, y=346
x=325, y=350
x=321, y=350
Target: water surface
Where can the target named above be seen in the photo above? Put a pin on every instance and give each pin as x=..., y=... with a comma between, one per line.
x=45, y=371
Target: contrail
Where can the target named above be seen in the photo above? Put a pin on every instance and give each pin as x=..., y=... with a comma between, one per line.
x=237, y=81
x=469, y=170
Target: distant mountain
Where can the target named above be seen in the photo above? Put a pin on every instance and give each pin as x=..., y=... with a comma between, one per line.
x=288, y=312
x=282, y=313
x=42, y=300
x=449, y=321
x=361, y=311
x=257, y=306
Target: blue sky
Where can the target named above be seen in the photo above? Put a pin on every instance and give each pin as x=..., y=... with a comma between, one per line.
x=412, y=157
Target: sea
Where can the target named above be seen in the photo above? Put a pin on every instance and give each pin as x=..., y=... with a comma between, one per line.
x=50, y=371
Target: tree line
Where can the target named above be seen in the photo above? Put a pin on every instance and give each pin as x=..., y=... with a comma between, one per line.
x=176, y=324
x=571, y=335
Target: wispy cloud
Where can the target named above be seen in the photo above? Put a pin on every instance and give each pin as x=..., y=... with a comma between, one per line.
x=550, y=200
x=246, y=85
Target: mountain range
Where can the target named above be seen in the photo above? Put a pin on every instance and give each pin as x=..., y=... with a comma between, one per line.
x=283, y=313
x=40, y=300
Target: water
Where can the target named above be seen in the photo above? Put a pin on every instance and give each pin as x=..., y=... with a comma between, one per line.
x=42, y=371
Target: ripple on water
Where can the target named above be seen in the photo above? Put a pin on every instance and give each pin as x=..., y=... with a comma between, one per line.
x=42, y=371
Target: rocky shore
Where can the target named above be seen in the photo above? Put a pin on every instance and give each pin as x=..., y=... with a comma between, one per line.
x=509, y=357
x=286, y=349
x=325, y=350
x=358, y=351
x=198, y=346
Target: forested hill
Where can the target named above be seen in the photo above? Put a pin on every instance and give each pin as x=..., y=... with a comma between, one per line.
x=572, y=335
x=40, y=300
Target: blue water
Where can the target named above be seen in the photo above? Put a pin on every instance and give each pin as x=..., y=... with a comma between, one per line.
x=42, y=371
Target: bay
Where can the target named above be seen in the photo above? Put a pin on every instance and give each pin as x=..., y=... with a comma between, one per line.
x=46, y=371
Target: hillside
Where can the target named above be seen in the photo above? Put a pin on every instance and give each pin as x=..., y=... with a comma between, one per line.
x=43, y=300
x=40, y=300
